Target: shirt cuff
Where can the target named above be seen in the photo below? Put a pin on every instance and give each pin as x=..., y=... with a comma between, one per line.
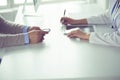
x=91, y=20
x=26, y=37
x=25, y=28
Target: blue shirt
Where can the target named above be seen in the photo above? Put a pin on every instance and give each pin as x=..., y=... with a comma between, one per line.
x=26, y=37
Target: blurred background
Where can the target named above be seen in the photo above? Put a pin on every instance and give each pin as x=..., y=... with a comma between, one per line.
x=8, y=8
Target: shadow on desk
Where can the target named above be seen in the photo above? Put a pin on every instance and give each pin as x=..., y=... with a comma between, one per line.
x=91, y=78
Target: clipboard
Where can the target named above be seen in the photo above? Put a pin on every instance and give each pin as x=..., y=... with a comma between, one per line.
x=86, y=28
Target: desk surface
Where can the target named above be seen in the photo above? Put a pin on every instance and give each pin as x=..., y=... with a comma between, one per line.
x=59, y=57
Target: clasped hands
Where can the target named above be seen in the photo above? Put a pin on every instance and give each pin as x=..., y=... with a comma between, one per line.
x=36, y=34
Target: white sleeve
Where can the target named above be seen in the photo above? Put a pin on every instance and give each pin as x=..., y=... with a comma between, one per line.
x=100, y=19
x=111, y=39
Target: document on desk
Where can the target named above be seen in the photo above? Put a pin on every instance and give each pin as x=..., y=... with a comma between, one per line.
x=85, y=28
x=89, y=28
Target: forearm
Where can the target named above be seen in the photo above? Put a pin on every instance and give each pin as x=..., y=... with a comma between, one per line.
x=82, y=21
x=7, y=27
x=11, y=40
x=100, y=19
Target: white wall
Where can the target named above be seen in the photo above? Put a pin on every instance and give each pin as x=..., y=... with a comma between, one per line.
x=103, y=3
x=9, y=14
x=92, y=1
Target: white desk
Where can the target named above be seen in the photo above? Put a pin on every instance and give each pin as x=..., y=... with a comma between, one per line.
x=58, y=57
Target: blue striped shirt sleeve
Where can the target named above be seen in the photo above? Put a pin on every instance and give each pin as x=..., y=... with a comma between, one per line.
x=26, y=37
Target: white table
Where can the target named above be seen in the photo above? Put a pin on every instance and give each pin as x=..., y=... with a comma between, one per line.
x=58, y=57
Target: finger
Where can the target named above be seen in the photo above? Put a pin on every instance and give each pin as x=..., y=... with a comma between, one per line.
x=72, y=36
x=63, y=20
x=36, y=28
x=41, y=39
x=43, y=32
x=69, y=34
x=33, y=28
x=46, y=30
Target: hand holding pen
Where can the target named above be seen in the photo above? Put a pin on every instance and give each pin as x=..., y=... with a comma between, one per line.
x=62, y=20
x=66, y=20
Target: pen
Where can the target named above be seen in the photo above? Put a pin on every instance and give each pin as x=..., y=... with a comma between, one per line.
x=64, y=15
x=64, y=12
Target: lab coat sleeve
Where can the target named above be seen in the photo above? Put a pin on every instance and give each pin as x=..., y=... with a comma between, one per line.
x=100, y=19
x=111, y=39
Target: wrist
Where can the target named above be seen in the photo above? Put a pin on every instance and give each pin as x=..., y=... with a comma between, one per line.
x=82, y=21
x=25, y=29
x=26, y=38
x=87, y=36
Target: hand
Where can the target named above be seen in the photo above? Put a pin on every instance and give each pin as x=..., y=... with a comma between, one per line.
x=78, y=34
x=66, y=20
x=33, y=28
x=36, y=36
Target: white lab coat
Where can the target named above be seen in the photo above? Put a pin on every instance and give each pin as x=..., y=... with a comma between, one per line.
x=111, y=39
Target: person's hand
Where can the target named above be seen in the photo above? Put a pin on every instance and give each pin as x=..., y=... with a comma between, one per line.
x=36, y=36
x=66, y=21
x=78, y=34
x=33, y=28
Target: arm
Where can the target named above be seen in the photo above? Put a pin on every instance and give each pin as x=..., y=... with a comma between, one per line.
x=34, y=36
x=7, y=40
x=111, y=39
x=8, y=27
x=15, y=34
x=100, y=19
x=67, y=20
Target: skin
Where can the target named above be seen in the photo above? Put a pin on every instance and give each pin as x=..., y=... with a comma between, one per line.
x=76, y=33
x=67, y=20
x=36, y=35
